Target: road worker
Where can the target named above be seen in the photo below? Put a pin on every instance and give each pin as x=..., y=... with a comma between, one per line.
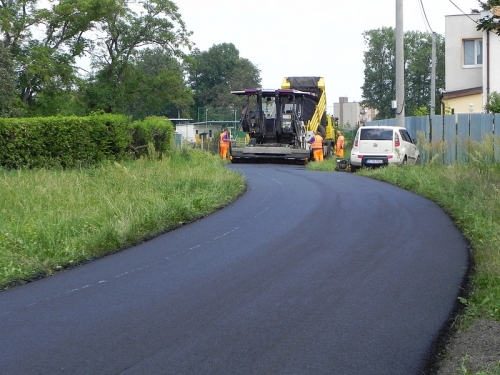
x=224, y=143
x=317, y=146
x=339, y=146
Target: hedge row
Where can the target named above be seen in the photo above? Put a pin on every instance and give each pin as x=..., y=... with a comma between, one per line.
x=152, y=130
x=46, y=142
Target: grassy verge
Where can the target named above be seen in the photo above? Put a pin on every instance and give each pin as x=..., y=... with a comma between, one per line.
x=54, y=219
x=327, y=165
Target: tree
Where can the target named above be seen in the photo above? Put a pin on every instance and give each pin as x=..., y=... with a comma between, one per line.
x=123, y=33
x=491, y=23
x=493, y=104
x=7, y=81
x=214, y=73
x=160, y=90
x=45, y=59
x=418, y=65
x=379, y=87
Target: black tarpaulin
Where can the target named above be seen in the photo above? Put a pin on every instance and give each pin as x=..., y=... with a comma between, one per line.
x=309, y=84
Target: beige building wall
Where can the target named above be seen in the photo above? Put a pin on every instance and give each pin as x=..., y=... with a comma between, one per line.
x=463, y=104
x=491, y=73
x=458, y=75
x=485, y=76
x=347, y=112
x=352, y=113
x=367, y=115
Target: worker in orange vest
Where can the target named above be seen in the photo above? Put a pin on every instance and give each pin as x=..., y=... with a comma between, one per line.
x=317, y=146
x=224, y=144
x=340, y=144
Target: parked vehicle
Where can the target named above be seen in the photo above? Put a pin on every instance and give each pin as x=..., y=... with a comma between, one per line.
x=376, y=146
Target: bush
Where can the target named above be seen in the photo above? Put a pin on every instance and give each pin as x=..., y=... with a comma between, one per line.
x=46, y=142
x=157, y=131
x=493, y=104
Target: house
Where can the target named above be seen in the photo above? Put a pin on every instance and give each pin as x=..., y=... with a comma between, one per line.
x=192, y=132
x=352, y=113
x=470, y=56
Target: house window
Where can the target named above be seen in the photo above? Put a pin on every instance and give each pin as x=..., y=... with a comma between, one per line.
x=473, y=52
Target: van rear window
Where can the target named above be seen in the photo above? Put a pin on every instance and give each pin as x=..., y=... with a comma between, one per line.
x=376, y=134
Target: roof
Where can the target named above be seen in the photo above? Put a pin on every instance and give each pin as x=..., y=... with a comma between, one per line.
x=462, y=93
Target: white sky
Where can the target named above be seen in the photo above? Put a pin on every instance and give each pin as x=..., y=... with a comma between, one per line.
x=323, y=38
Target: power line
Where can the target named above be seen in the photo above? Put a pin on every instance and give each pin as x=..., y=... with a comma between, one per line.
x=425, y=15
x=463, y=12
x=422, y=13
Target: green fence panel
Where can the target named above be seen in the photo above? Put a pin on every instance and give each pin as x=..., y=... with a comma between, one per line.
x=462, y=138
x=450, y=138
x=437, y=128
x=475, y=129
x=496, y=132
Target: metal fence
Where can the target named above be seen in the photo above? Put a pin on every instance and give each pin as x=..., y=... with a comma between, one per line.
x=456, y=138
x=211, y=114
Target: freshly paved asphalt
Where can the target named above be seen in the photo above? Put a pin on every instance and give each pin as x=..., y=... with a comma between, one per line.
x=307, y=273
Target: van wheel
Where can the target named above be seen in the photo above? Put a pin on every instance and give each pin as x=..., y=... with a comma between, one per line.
x=405, y=161
x=354, y=168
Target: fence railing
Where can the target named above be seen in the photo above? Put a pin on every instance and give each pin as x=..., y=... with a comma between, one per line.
x=456, y=138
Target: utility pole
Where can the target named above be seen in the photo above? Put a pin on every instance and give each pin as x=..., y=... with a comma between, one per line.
x=433, y=75
x=400, y=73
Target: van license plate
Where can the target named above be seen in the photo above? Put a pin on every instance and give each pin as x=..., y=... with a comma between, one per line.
x=374, y=161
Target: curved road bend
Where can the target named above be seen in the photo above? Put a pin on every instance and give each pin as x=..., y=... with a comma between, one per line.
x=307, y=273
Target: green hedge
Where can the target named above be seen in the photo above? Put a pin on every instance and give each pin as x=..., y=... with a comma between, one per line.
x=47, y=142
x=62, y=141
x=157, y=131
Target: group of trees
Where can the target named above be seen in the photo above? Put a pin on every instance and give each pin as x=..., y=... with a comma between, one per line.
x=138, y=55
x=379, y=87
x=141, y=62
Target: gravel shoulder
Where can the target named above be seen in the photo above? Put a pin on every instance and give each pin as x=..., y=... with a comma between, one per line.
x=476, y=351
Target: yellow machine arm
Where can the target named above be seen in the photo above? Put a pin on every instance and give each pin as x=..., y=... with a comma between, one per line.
x=315, y=121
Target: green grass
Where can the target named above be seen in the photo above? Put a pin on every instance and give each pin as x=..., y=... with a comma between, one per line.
x=326, y=165
x=51, y=219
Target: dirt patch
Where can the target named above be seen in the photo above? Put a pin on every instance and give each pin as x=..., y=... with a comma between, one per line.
x=474, y=351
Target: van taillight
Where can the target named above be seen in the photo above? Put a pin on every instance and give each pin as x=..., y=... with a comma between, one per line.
x=356, y=142
x=396, y=140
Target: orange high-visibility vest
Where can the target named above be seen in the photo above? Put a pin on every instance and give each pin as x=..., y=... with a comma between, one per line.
x=318, y=142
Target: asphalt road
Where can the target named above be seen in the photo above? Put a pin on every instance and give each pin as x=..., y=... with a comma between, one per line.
x=307, y=273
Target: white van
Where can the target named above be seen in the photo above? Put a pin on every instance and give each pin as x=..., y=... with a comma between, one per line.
x=383, y=145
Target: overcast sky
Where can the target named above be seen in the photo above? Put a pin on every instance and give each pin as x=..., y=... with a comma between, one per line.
x=308, y=37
